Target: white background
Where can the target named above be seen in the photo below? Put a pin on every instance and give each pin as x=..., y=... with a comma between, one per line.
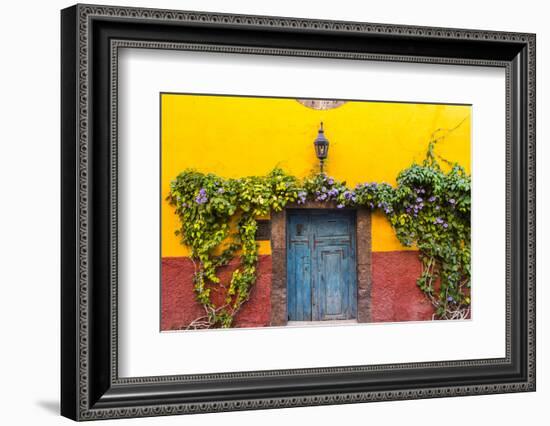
x=29, y=225
x=146, y=352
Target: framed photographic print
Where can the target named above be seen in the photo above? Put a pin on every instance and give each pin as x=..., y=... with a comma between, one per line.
x=263, y=212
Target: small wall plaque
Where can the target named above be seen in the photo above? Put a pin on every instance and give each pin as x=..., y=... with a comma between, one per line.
x=264, y=230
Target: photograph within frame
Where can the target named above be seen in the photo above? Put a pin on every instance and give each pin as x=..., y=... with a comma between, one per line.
x=354, y=256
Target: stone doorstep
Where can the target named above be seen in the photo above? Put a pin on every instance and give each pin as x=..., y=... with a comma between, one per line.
x=320, y=323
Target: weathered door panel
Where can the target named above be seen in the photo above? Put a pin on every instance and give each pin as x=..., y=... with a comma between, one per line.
x=321, y=265
x=299, y=269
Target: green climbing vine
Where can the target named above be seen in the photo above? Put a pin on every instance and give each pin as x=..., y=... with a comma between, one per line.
x=208, y=206
x=429, y=209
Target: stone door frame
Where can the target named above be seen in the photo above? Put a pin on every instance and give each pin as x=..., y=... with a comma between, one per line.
x=279, y=304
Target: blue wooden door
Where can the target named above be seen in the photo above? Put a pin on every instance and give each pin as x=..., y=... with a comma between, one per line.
x=321, y=266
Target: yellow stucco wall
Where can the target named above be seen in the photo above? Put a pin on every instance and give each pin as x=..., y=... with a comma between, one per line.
x=241, y=136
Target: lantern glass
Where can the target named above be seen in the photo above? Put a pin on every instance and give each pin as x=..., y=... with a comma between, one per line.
x=321, y=144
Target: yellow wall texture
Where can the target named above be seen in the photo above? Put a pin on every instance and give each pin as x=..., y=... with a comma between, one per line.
x=242, y=136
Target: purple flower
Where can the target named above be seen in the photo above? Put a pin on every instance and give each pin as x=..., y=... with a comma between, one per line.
x=431, y=199
x=452, y=201
x=408, y=209
x=221, y=191
x=348, y=195
x=340, y=206
x=330, y=181
x=184, y=205
x=419, y=200
x=438, y=220
x=201, y=198
x=437, y=207
x=387, y=210
x=445, y=225
x=450, y=299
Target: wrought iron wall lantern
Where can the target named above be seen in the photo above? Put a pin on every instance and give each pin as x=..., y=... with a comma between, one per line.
x=321, y=144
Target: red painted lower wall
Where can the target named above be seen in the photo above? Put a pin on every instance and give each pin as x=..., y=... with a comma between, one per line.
x=178, y=303
x=394, y=294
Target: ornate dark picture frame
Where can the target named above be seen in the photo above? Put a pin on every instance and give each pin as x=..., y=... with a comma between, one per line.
x=91, y=37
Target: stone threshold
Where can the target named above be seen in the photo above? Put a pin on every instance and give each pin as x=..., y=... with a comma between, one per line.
x=320, y=323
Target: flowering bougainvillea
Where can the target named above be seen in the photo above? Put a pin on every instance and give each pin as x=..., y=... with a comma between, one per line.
x=429, y=209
